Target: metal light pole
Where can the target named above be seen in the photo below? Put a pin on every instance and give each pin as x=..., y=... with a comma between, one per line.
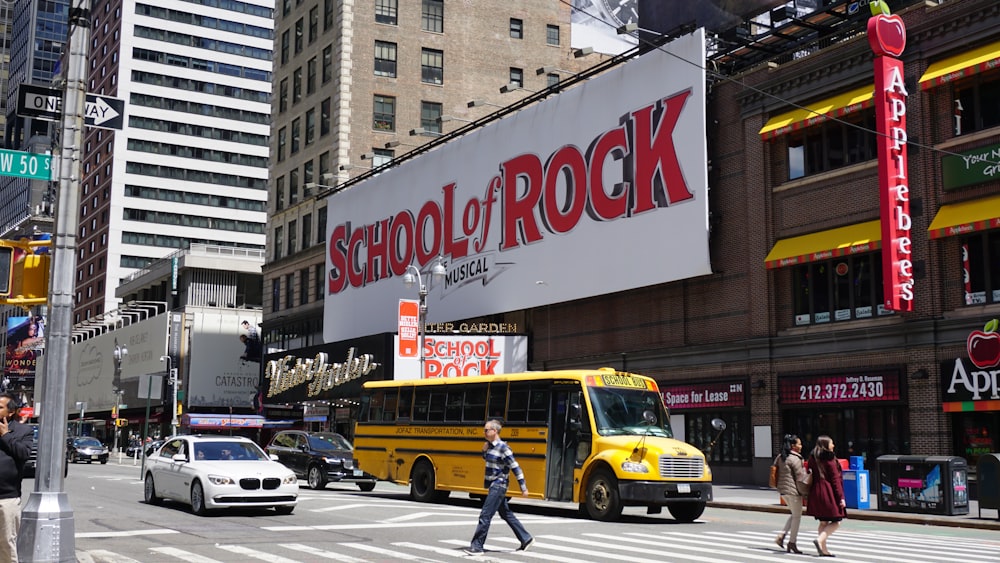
x=172, y=374
x=47, y=529
x=412, y=276
x=120, y=354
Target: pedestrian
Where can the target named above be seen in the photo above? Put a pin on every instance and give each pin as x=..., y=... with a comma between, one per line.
x=826, y=493
x=791, y=488
x=499, y=463
x=15, y=449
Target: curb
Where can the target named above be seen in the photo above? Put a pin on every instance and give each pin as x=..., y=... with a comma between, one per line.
x=874, y=515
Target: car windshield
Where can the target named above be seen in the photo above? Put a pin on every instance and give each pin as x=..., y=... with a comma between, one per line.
x=87, y=442
x=621, y=411
x=329, y=441
x=228, y=451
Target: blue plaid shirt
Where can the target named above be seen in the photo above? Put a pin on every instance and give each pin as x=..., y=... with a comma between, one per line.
x=499, y=462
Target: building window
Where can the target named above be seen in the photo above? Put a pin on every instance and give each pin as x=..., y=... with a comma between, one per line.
x=551, y=79
x=552, y=34
x=327, y=64
x=841, y=289
x=431, y=66
x=311, y=76
x=324, y=165
x=292, y=236
x=289, y=290
x=306, y=230
x=313, y=23
x=324, y=117
x=321, y=227
x=310, y=126
x=430, y=116
x=385, y=59
x=283, y=96
x=297, y=86
x=320, y=280
x=382, y=156
x=282, y=139
x=516, y=28
x=296, y=135
x=328, y=12
x=303, y=286
x=279, y=240
x=385, y=11
x=432, y=15
x=517, y=77
x=293, y=187
x=285, y=45
x=298, y=36
x=385, y=113
x=276, y=294
x=732, y=447
x=983, y=251
x=980, y=109
x=832, y=144
x=307, y=180
x=279, y=193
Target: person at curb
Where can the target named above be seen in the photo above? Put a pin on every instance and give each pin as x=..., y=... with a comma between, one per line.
x=826, y=493
x=500, y=463
x=15, y=449
x=791, y=488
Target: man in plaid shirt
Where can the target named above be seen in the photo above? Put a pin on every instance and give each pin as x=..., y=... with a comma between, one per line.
x=499, y=463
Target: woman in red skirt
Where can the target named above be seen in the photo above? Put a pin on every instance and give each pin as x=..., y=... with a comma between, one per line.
x=826, y=493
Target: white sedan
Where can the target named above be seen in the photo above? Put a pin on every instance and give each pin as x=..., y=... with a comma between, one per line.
x=212, y=472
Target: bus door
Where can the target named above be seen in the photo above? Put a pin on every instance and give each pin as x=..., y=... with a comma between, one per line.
x=566, y=427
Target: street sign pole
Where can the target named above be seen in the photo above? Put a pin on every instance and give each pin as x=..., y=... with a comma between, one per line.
x=47, y=528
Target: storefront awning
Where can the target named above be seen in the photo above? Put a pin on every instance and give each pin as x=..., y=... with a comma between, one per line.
x=842, y=241
x=815, y=113
x=208, y=421
x=968, y=63
x=966, y=217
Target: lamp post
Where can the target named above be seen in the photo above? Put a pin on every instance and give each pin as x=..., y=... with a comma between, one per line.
x=172, y=374
x=120, y=354
x=412, y=276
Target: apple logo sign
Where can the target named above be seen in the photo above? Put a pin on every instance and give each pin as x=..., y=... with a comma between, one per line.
x=984, y=346
x=887, y=35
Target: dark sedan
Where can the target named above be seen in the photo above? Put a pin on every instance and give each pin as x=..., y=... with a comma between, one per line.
x=86, y=449
x=319, y=458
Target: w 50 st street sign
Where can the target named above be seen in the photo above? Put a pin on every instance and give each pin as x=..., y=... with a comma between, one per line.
x=46, y=104
x=25, y=165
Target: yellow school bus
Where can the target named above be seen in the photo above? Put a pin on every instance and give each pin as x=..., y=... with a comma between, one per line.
x=600, y=438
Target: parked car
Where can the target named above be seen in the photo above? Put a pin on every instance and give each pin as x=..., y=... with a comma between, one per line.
x=151, y=447
x=319, y=458
x=86, y=448
x=31, y=465
x=215, y=472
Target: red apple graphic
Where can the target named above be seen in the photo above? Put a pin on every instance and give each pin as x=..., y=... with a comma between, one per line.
x=887, y=35
x=984, y=346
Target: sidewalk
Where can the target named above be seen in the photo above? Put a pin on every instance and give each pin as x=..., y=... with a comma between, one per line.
x=760, y=499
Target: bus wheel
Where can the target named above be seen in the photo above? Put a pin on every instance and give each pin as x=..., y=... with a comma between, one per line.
x=686, y=512
x=602, y=496
x=422, y=482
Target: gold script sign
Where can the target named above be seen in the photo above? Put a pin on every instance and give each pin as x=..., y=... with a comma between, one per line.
x=291, y=371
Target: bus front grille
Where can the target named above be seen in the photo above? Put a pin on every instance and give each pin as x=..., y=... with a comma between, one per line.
x=681, y=467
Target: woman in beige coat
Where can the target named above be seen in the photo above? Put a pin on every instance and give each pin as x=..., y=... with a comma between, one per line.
x=791, y=488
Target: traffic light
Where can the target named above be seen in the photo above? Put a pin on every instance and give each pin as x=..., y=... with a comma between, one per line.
x=6, y=270
x=31, y=276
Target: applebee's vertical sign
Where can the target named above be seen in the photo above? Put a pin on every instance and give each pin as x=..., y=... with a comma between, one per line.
x=887, y=37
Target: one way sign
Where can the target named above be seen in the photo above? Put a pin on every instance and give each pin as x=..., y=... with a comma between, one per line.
x=46, y=104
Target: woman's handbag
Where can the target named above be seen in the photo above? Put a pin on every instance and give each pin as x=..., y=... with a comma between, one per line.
x=773, y=479
x=807, y=479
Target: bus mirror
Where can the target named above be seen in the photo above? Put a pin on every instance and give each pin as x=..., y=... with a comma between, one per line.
x=718, y=424
x=649, y=417
x=574, y=417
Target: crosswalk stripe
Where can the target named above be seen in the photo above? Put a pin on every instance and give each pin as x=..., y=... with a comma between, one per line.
x=183, y=555
x=529, y=554
x=934, y=548
x=104, y=555
x=451, y=551
x=255, y=554
x=125, y=533
x=321, y=553
x=661, y=543
x=389, y=553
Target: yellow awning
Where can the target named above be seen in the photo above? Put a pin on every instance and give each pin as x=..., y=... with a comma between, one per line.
x=971, y=62
x=818, y=112
x=966, y=217
x=823, y=245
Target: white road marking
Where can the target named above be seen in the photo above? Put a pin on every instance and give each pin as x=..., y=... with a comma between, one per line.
x=183, y=555
x=321, y=553
x=126, y=533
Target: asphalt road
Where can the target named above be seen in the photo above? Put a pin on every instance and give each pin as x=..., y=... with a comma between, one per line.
x=341, y=523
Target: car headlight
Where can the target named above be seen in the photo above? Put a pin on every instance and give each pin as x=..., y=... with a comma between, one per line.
x=290, y=479
x=333, y=460
x=634, y=467
x=221, y=480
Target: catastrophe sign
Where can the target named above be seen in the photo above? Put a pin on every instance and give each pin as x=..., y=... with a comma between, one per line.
x=612, y=171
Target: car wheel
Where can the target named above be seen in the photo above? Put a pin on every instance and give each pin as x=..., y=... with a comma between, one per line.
x=602, y=496
x=284, y=510
x=316, y=477
x=422, y=481
x=149, y=491
x=103, y=461
x=686, y=512
x=198, y=499
x=366, y=487
x=89, y=461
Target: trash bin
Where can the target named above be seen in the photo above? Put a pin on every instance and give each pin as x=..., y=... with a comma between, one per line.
x=988, y=481
x=856, y=493
x=923, y=484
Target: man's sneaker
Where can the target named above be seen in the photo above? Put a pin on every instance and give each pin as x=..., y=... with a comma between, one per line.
x=474, y=551
x=526, y=545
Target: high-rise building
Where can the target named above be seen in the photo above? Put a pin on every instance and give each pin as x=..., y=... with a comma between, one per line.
x=358, y=84
x=190, y=164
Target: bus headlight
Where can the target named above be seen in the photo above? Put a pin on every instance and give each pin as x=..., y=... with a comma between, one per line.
x=634, y=467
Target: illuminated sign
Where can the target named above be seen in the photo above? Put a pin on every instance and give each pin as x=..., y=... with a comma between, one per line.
x=887, y=37
x=704, y=395
x=839, y=388
x=320, y=375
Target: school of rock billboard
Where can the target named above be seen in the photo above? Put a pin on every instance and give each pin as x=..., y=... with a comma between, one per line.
x=612, y=171
x=463, y=355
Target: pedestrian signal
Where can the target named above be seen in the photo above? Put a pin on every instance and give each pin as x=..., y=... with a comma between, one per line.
x=121, y=422
x=31, y=277
x=6, y=270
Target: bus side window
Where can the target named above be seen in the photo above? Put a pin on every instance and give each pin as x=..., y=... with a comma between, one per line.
x=377, y=406
x=475, y=404
x=517, y=405
x=421, y=404
x=389, y=412
x=405, y=402
x=436, y=411
x=453, y=406
x=497, y=401
x=364, y=408
x=538, y=405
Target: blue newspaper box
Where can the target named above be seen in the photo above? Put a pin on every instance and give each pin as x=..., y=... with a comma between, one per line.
x=856, y=489
x=857, y=462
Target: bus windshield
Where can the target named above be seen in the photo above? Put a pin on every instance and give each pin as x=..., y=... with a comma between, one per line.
x=620, y=411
